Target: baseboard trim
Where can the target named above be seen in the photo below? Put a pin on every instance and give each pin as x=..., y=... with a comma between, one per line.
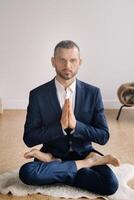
x=22, y=104
x=15, y=104
x=1, y=106
x=111, y=104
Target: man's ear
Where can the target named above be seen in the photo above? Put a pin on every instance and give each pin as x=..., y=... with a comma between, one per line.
x=80, y=63
x=53, y=61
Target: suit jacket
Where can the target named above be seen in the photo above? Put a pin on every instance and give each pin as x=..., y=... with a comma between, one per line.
x=43, y=126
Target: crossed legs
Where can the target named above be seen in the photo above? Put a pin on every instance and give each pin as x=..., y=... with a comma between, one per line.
x=91, y=174
x=98, y=179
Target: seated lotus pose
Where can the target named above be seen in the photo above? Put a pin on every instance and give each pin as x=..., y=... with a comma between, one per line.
x=91, y=160
x=66, y=115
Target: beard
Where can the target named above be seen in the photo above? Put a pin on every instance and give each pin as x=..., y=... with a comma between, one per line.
x=66, y=75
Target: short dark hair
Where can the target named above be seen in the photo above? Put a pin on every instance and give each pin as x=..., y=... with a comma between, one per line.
x=67, y=44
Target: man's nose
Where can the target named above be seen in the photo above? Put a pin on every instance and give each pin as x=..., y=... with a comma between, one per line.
x=68, y=65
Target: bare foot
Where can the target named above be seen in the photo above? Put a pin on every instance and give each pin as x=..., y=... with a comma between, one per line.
x=95, y=160
x=104, y=160
x=35, y=153
x=112, y=160
x=30, y=154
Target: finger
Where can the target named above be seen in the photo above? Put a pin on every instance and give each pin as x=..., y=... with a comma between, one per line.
x=69, y=100
x=66, y=102
x=65, y=105
x=25, y=154
x=32, y=150
x=28, y=157
x=70, y=103
x=70, y=106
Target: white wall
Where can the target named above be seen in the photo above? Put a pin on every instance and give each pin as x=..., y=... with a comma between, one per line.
x=29, y=30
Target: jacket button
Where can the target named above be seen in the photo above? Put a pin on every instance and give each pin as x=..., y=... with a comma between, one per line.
x=70, y=149
x=70, y=142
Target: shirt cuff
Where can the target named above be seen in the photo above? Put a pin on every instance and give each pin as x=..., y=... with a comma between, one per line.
x=72, y=131
x=65, y=133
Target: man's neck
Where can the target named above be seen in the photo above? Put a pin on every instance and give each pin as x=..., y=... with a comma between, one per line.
x=65, y=83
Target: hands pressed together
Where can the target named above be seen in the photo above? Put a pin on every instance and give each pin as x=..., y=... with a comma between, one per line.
x=67, y=118
x=67, y=121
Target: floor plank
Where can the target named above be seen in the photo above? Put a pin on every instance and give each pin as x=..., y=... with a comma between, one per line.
x=12, y=148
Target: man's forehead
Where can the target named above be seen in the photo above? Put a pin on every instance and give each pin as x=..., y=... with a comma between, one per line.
x=70, y=52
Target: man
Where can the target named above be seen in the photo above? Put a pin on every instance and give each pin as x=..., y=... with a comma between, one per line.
x=66, y=115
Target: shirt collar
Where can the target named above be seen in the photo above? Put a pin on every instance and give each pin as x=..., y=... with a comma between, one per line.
x=60, y=87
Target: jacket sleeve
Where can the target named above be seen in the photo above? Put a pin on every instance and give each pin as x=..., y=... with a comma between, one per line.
x=35, y=132
x=97, y=131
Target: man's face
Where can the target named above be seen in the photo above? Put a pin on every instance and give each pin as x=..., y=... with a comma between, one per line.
x=66, y=62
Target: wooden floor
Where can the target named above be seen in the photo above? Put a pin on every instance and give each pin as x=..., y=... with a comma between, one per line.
x=12, y=148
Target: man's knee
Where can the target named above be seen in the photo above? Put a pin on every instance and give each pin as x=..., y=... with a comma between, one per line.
x=112, y=185
x=101, y=181
x=27, y=174
x=35, y=173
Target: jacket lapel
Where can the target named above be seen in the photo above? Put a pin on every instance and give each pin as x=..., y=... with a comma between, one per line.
x=53, y=98
x=78, y=98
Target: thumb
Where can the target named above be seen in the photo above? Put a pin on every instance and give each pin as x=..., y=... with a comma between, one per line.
x=70, y=103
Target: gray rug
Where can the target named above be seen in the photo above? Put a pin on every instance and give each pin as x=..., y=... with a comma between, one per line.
x=10, y=182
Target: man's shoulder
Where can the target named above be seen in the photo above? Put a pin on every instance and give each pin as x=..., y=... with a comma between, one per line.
x=42, y=88
x=88, y=86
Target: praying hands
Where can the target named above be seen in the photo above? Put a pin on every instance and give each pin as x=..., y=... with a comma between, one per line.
x=67, y=118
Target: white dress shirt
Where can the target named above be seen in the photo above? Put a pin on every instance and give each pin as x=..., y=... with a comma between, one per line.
x=68, y=93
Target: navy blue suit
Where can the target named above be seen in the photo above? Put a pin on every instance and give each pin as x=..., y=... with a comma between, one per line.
x=43, y=127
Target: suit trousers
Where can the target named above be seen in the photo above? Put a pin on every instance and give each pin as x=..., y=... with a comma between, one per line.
x=98, y=179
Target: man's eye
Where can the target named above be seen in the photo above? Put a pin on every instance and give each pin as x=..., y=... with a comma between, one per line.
x=73, y=60
x=62, y=60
